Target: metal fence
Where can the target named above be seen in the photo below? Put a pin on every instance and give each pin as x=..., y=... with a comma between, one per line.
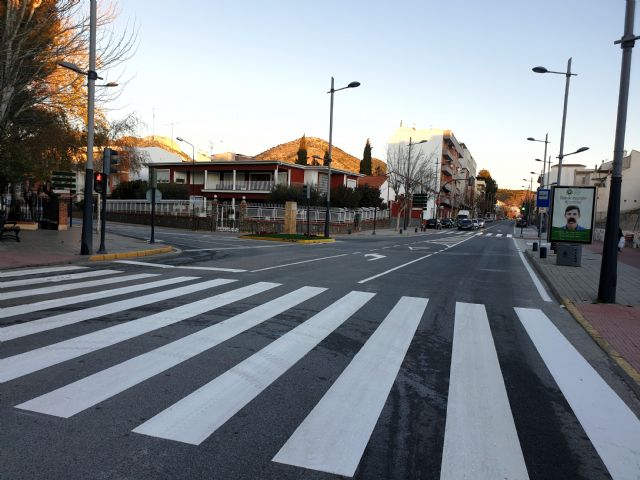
x=27, y=210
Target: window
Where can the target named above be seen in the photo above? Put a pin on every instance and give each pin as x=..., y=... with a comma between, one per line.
x=162, y=176
x=180, y=177
x=351, y=183
x=198, y=178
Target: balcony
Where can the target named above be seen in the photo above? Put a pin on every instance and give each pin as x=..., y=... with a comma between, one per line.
x=447, y=155
x=446, y=169
x=445, y=201
x=446, y=188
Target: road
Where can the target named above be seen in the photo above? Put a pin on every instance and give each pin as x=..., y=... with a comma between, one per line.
x=421, y=356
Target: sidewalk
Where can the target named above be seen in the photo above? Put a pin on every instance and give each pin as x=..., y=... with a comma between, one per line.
x=615, y=327
x=48, y=247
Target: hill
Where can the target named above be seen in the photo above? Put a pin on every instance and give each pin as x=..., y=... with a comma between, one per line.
x=288, y=152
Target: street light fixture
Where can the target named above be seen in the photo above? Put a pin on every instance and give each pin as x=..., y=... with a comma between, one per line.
x=568, y=76
x=546, y=142
x=86, y=241
x=332, y=91
x=193, y=166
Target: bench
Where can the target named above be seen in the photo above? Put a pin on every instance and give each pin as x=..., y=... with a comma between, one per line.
x=8, y=229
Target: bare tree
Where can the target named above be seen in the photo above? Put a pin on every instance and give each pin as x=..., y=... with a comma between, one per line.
x=411, y=172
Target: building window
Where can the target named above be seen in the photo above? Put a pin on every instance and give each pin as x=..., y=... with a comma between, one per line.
x=162, y=176
x=180, y=177
x=351, y=183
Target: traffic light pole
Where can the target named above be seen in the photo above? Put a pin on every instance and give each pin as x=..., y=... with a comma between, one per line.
x=106, y=168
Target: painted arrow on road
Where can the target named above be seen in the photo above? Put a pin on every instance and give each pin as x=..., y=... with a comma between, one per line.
x=376, y=256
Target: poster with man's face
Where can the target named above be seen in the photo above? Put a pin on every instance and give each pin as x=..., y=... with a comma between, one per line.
x=573, y=214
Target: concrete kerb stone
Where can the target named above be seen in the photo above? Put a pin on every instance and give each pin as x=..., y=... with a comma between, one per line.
x=123, y=255
x=625, y=368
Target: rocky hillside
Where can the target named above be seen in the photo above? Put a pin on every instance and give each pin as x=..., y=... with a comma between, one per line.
x=288, y=152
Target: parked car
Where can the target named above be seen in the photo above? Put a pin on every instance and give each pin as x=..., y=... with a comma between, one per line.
x=432, y=223
x=465, y=224
x=475, y=223
x=447, y=223
x=481, y=223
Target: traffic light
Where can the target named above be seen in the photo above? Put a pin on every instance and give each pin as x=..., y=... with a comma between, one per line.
x=110, y=159
x=100, y=182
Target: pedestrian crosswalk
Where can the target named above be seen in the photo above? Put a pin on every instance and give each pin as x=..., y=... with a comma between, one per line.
x=468, y=233
x=480, y=441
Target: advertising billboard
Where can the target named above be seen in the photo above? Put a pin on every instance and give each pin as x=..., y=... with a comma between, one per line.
x=573, y=214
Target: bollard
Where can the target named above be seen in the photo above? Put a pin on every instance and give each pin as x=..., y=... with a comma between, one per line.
x=535, y=246
x=400, y=231
x=416, y=230
x=543, y=252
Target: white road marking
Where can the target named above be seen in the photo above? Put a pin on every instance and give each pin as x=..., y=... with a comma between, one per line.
x=195, y=417
x=509, y=235
x=68, y=318
x=71, y=286
x=37, y=271
x=334, y=435
x=298, y=263
x=160, y=265
x=489, y=234
x=34, y=360
x=543, y=293
x=57, y=278
x=85, y=297
x=480, y=440
x=87, y=392
x=375, y=256
x=614, y=430
x=498, y=234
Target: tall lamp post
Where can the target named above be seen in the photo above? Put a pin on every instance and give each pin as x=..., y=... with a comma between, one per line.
x=546, y=142
x=193, y=166
x=609, y=265
x=332, y=91
x=86, y=242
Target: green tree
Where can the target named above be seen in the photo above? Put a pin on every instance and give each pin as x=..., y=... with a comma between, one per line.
x=325, y=158
x=369, y=196
x=365, y=163
x=302, y=151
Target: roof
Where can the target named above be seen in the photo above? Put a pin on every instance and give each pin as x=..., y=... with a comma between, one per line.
x=375, y=181
x=237, y=163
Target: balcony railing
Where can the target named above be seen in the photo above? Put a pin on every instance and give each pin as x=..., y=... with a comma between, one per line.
x=446, y=169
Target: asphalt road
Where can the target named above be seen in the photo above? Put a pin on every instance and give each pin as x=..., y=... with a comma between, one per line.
x=421, y=356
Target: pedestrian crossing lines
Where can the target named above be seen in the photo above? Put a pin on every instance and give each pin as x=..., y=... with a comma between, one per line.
x=480, y=438
x=478, y=234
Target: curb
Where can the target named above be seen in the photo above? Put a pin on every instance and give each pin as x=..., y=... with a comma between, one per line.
x=289, y=240
x=625, y=366
x=139, y=253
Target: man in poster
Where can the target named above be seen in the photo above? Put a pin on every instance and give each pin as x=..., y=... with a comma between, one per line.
x=573, y=214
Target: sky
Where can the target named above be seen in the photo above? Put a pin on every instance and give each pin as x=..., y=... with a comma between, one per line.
x=244, y=76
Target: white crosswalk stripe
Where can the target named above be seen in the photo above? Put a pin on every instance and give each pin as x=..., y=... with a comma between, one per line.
x=489, y=234
x=480, y=437
x=38, y=271
x=334, y=435
x=34, y=360
x=198, y=415
x=611, y=426
x=72, y=286
x=56, y=278
x=498, y=235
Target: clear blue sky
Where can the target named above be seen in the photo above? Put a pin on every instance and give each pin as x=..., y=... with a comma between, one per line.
x=254, y=74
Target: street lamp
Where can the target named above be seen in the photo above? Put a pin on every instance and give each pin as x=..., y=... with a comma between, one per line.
x=546, y=142
x=332, y=91
x=86, y=242
x=568, y=76
x=193, y=166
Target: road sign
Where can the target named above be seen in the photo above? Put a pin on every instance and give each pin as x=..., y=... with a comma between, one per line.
x=63, y=181
x=543, y=199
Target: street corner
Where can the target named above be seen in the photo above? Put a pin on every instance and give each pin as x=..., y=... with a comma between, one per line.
x=132, y=254
x=616, y=329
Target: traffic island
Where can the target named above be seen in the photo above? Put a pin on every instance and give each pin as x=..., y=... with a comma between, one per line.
x=288, y=237
x=134, y=254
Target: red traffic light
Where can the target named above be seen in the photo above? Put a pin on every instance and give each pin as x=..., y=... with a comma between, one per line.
x=99, y=177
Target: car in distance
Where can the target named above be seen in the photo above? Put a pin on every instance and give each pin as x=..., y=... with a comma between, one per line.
x=465, y=224
x=447, y=223
x=480, y=222
x=476, y=225
x=432, y=223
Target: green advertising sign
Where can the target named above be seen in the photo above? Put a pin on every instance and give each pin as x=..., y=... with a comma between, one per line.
x=572, y=215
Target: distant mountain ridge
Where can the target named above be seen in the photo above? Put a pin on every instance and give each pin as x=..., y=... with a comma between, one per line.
x=288, y=152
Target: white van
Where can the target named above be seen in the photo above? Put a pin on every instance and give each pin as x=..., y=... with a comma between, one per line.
x=462, y=215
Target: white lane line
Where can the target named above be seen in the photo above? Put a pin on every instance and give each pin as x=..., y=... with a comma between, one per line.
x=479, y=233
x=480, y=439
x=614, y=430
x=34, y=360
x=159, y=265
x=509, y=235
x=57, y=278
x=37, y=271
x=195, y=417
x=85, y=297
x=71, y=286
x=498, y=234
x=489, y=234
x=68, y=318
x=298, y=263
x=334, y=435
x=409, y=263
x=87, y=392
x=543, y=293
